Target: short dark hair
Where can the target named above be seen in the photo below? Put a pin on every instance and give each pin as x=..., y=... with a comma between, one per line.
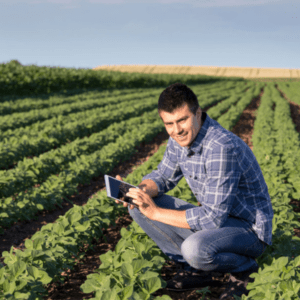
x=175, y=96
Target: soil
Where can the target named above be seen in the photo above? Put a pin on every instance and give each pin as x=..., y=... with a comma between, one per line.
x=70, y=288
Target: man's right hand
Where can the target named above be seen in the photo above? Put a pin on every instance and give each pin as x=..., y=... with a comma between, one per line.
x=125, y=204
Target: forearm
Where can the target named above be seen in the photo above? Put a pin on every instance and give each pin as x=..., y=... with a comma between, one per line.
x=151, y=187
x=172, y=217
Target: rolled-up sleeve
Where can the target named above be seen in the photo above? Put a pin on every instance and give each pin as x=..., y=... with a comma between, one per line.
x=168, y=172
x=221, y=188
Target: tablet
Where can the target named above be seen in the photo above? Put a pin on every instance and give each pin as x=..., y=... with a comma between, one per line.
x=117, y=189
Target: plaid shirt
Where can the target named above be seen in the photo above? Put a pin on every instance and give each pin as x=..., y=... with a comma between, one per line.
x=224, y=176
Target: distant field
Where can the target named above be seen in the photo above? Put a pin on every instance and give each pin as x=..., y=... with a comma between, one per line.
x=249, y=73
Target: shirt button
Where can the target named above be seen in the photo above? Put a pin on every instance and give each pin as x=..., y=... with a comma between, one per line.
x=196, y=194
x=190, y=176
x=195, y=177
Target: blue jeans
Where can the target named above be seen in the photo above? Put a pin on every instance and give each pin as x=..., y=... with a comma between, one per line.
x=230, y=249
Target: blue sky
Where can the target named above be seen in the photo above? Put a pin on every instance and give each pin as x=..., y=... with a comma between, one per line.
x=86, y=34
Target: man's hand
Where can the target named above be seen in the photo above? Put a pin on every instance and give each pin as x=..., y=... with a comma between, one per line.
x=145, y=203
x=125, y=204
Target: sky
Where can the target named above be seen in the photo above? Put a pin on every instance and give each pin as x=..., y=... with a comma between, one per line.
x=91, y=33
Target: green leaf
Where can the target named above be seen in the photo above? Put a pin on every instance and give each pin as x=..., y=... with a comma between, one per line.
x=147, y=275
x=28, y=244
x=44, y=277
x=21, y=284
x=139, y=264
x=127, y=270
x=95, y=283
x=58, y=229
x=18, y=295
x=34, y=272
x=37, y=244
x=153, y=284
x=74, y=217
x=110, y=295
x=9, y=286
x=128, y=291
x=18, y=268
x=163, y=297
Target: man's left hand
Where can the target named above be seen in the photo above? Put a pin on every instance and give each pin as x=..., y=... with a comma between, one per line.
x=143, y=201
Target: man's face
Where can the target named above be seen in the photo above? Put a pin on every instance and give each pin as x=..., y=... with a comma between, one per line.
x=182, y=122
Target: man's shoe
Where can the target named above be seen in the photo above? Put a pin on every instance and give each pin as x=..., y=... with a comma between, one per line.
x=237, y=284
x=189, y=280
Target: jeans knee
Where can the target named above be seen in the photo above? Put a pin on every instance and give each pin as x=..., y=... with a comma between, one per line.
x=194, y=249
x=188, y=249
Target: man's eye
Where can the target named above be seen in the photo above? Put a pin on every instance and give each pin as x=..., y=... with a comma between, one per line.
x=179, y=121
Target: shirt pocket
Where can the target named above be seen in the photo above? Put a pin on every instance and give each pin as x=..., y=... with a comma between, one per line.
x=197, y=184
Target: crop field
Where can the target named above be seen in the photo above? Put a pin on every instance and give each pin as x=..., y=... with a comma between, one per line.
x=61, y=237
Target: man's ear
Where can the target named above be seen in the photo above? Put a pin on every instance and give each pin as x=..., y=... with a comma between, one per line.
x=199, y=111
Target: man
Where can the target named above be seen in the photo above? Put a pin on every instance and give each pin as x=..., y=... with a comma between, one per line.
x=232, y=226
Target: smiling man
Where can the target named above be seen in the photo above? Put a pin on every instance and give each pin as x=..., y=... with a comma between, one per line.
x=233, y=224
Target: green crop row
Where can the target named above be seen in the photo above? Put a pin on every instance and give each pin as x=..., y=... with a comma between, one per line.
x=105, y=104
x=80, y=170
x=232, y=115
x=41, y=137
x=17, y=120
x=224, y=105
x=16, y=79
x=36, y=113
x=34, y=171
x=291, y=90
x=47, y=101
x=230, y=109
x=274, y=146
x=83, y=102
x=49, y=252
x=29, y=172
x=14, y=103
x=220, y=96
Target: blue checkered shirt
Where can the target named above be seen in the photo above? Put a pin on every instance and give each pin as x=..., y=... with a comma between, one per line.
x=224, y=176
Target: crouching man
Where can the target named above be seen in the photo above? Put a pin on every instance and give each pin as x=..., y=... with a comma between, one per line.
x=233, y=225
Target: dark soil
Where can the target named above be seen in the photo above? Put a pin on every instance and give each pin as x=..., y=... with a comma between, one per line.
x=70, y=289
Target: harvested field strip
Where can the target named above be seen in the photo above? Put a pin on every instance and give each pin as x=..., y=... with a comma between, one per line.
x=247, y=73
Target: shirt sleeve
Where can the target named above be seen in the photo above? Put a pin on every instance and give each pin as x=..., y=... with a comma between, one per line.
x=221, y=188
x=168, y=172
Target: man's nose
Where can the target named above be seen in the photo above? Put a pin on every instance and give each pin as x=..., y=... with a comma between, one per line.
x=177, y=129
